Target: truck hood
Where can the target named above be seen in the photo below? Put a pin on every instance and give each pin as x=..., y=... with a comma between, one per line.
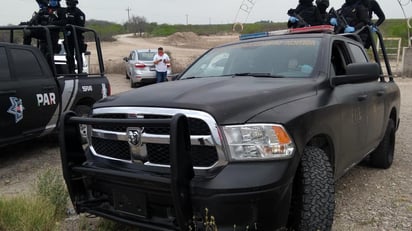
x=230, y=100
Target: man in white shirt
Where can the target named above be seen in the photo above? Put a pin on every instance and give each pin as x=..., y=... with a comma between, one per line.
x=161, y=60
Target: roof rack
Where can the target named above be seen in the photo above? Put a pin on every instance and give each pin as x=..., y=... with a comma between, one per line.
x=309, y=29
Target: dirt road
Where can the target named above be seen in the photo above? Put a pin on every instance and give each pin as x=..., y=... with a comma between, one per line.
x=183, y=48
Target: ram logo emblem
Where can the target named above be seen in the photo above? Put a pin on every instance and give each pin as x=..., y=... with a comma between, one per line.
x=135, y=136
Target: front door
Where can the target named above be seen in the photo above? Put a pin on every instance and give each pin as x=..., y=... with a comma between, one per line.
x=37, y=93
x=11, y=110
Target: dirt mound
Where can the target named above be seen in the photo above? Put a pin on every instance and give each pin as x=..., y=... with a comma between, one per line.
x=182, y=38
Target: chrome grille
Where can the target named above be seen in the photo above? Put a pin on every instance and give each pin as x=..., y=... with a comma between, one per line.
x=196, y=126
x=112, y=141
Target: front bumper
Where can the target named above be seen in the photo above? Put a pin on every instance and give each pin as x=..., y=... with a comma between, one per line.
x=145, y=200
x=255, y=195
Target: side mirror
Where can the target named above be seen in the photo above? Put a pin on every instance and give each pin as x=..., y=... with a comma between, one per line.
x=358, y=73
x=87, y=53
x=125, y=59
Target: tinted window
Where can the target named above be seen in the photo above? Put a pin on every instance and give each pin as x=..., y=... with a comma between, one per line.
x=26, y=64
x=4, y=65
x=358, y=54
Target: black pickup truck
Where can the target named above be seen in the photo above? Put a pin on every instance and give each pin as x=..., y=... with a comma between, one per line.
x=251, y=136
x=35, y=91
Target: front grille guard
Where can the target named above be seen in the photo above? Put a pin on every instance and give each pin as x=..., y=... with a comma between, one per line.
x=73, y=154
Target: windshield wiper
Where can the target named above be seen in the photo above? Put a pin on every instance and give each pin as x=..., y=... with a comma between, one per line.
x=191, y=77
x=265, y=75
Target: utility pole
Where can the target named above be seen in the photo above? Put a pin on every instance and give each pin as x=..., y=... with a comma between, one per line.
x=128, y=13
x=187, y=19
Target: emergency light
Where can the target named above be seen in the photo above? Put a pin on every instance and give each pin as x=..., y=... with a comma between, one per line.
x=309, y=29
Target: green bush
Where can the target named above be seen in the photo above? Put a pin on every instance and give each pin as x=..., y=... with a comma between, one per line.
x=164, y=30
x=105, y=30
x=51, y=187
x=40, y=211
x=26, y=214
x=395, y=28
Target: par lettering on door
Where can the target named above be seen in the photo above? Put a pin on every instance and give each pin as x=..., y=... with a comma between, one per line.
x=46, y=99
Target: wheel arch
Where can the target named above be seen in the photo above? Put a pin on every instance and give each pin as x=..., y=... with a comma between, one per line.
x=325, y=143
x=86, y=101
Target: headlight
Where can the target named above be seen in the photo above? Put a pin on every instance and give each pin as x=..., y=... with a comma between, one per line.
x=258, y=142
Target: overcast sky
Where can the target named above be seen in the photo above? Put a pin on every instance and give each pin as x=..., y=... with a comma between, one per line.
x=184, y=11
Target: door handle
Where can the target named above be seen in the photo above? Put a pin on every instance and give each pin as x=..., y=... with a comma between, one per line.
x=48, y=88
x=381, y=92
x=362, y=97
x=10, y=92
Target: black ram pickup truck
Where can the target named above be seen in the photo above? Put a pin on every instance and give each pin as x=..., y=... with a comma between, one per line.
x=251, y=136
x=35, y=91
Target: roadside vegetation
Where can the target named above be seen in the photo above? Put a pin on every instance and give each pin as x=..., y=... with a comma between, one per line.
x=140, y=27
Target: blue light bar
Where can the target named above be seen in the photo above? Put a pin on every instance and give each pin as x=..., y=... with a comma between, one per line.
x=309, y=29
x=254, y=35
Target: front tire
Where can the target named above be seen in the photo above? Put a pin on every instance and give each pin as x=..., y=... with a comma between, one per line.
x=313, y=193
x=382, y=156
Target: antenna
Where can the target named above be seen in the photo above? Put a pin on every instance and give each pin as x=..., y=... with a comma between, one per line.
x=243, y=14
x=128, y=13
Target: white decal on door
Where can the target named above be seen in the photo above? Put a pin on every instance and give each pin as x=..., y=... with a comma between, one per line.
x=46, y=99
x=16, y=108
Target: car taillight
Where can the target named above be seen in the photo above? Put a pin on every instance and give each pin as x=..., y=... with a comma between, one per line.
x=168, y=65
x=140, y=65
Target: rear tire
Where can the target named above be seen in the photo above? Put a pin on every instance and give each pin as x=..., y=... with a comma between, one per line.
x=83, y=111
x=382, y=156
x=313, y=193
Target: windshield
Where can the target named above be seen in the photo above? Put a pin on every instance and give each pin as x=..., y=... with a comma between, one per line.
x=294, y=57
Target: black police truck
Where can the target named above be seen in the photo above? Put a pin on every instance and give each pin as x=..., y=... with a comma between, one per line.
x=35, y=90
x=251, y=136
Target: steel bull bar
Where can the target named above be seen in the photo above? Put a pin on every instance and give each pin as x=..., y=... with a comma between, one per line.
x=181, y=167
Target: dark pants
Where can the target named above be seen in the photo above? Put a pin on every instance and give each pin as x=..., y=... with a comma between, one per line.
x=71, y=53
x=161, y=76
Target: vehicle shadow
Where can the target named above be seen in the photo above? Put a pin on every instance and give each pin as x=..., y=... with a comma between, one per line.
x=16, y=153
